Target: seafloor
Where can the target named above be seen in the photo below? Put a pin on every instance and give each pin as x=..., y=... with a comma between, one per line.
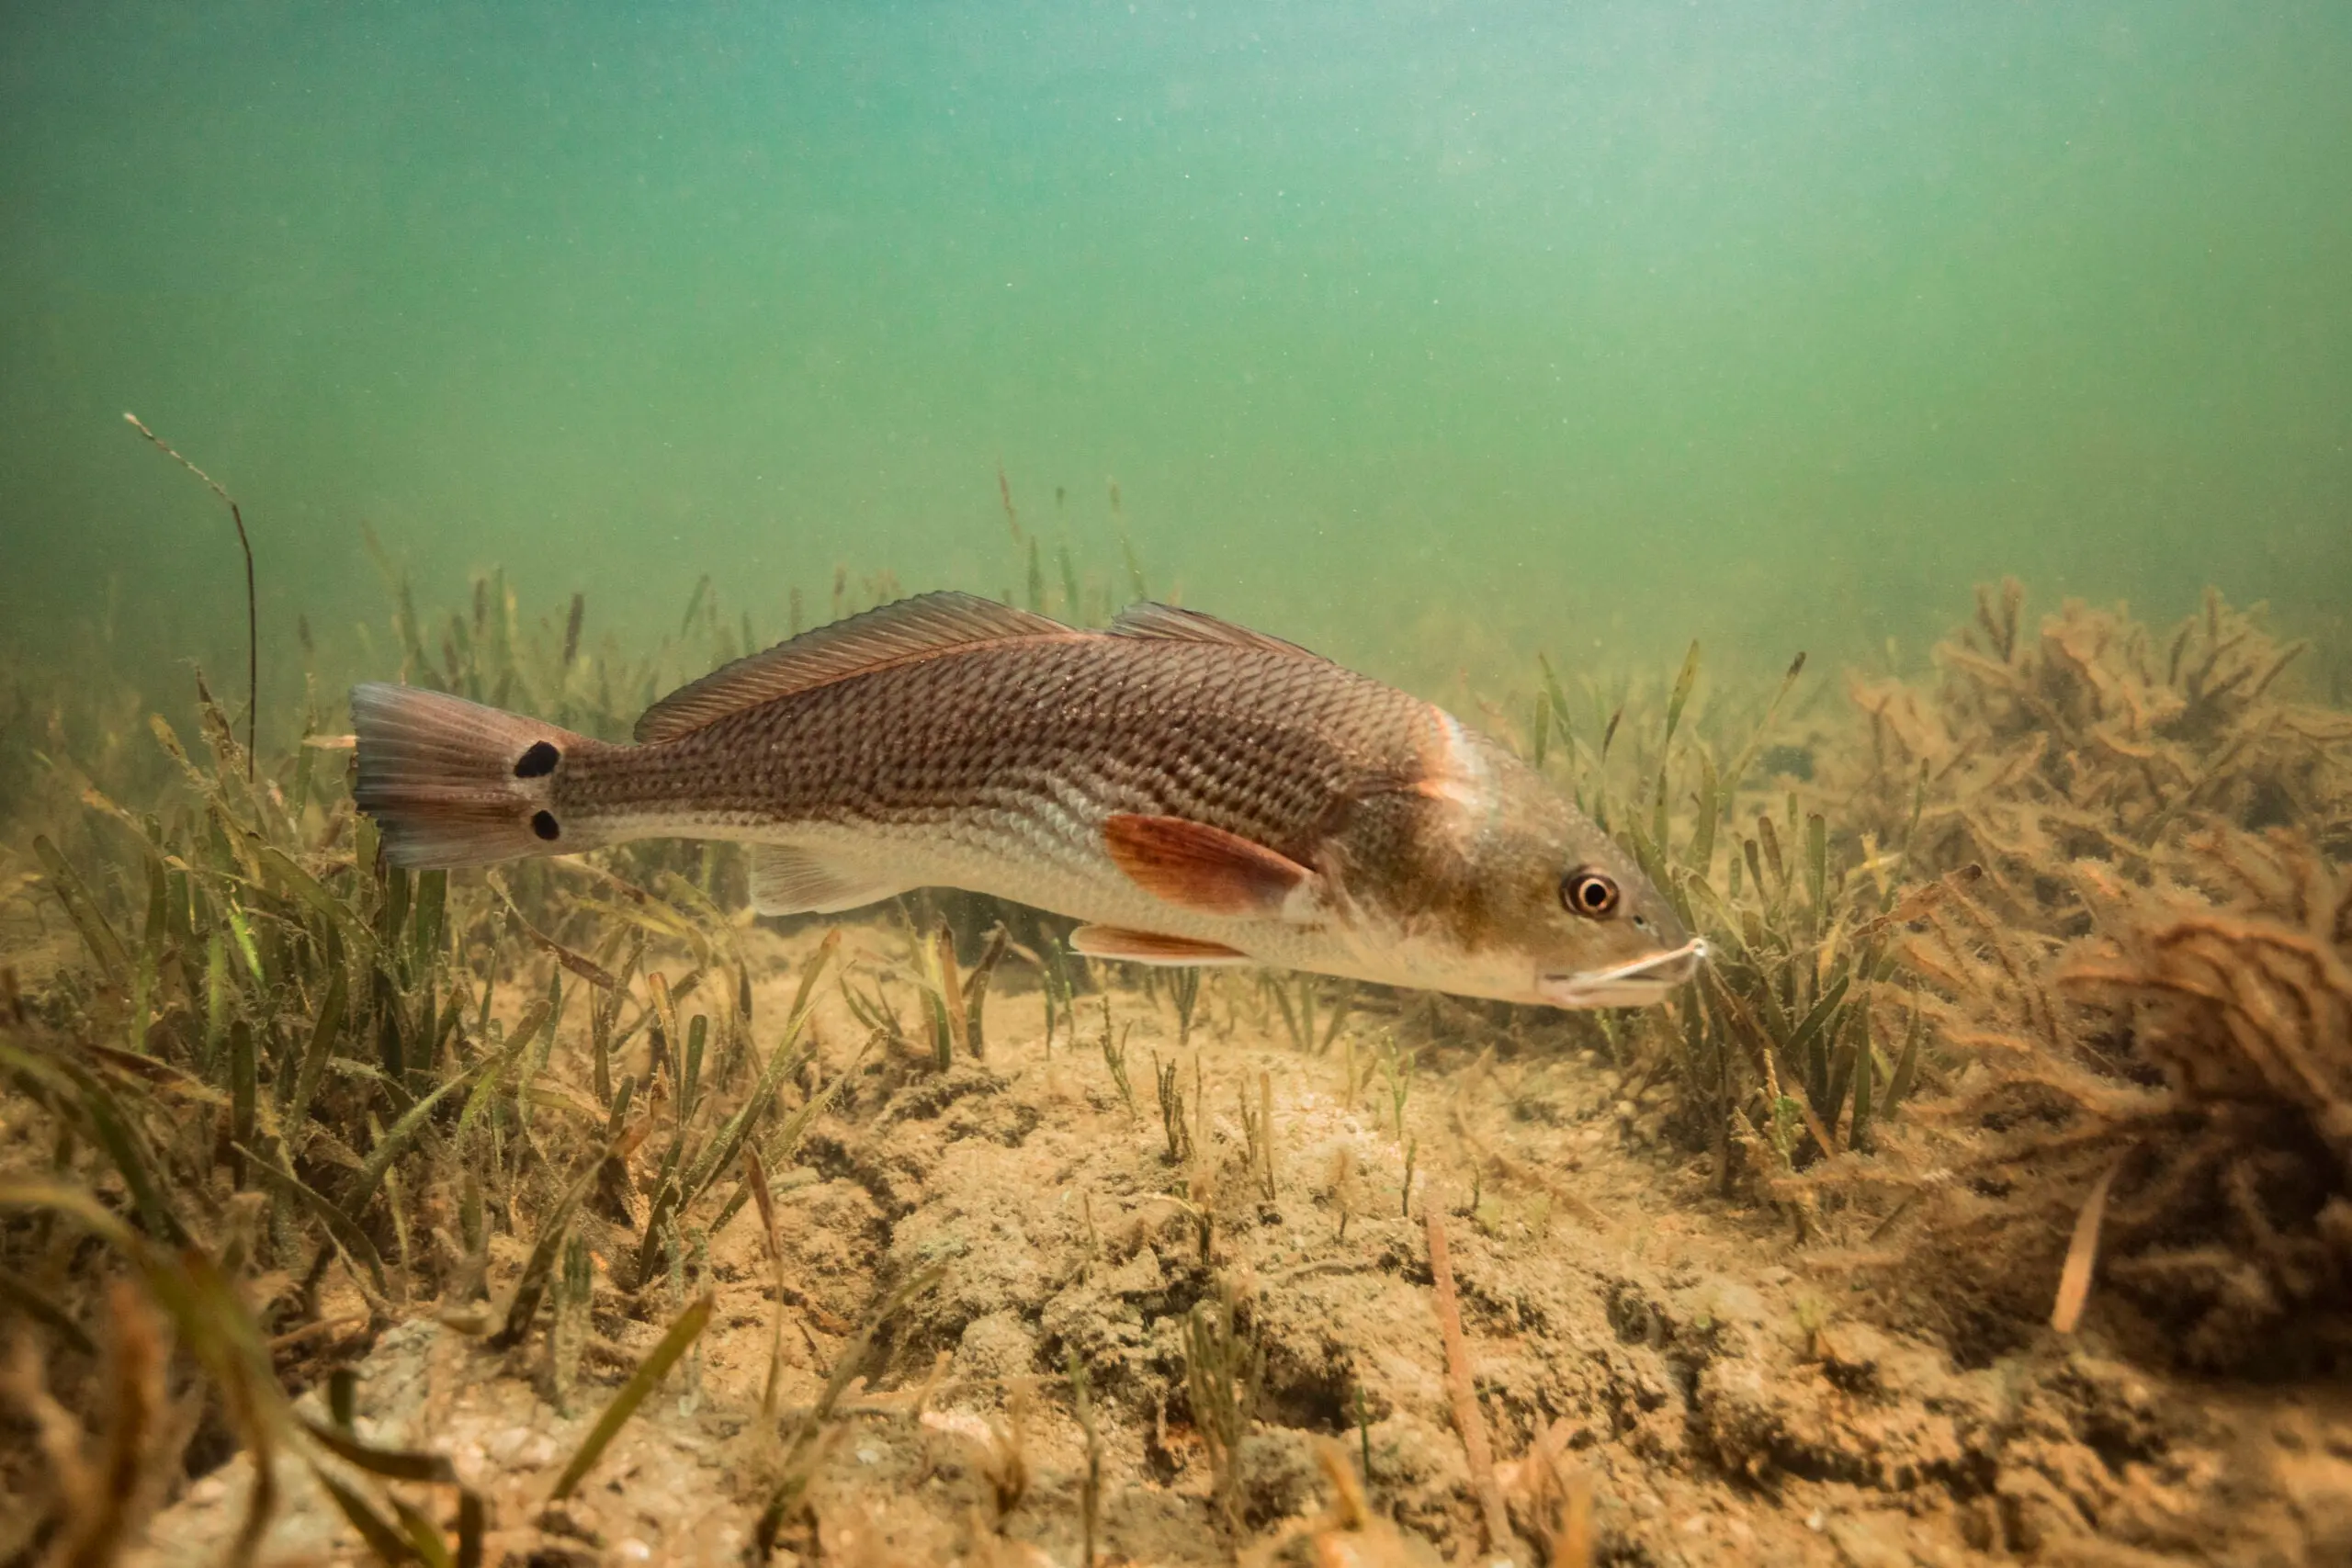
x=1991, y=1201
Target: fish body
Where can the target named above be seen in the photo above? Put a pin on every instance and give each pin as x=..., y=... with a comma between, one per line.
x=1195, y=792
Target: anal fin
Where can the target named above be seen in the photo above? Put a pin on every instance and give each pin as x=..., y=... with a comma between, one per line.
x=789, y=880
x=1152, y=947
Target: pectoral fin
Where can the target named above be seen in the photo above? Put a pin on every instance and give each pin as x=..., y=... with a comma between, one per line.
x=1151, y=947
x=789, y=880
x=1205, y=869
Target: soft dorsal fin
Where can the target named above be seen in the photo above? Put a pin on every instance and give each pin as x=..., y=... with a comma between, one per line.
x=1168, y=622
x=900, y=633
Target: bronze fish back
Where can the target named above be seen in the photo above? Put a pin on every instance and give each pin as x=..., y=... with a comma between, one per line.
x=1267, y=744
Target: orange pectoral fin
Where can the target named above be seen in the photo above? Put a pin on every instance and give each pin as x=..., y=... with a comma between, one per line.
x=1151, y=947
x=1203, y=868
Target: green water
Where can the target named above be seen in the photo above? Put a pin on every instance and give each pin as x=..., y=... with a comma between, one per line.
x=1414, y=332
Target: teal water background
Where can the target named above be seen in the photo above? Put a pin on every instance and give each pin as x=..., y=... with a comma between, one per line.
x=1412, y=331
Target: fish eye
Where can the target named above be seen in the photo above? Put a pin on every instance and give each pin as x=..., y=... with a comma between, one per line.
x=1589, y=893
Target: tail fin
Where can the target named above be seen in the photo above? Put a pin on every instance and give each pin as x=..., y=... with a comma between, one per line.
x=452, y=782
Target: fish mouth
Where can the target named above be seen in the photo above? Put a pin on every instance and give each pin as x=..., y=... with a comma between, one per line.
x=1633, y=984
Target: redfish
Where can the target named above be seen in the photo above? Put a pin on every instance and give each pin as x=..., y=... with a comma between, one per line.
x=1195, y=792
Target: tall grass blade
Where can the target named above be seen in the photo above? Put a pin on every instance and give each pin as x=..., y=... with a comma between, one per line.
x=96, y=934
x=313, y=1061
x=1739, y=769
x=1682, y=686
x=390, y=1546
x=424, y=1536
x=405, y=1131
x=2081, y=1255
x=642, y=1381
x=532, y=1286
x=795, y=1126
x=339, y=1224
x=395, y=1464
x=114, y=1134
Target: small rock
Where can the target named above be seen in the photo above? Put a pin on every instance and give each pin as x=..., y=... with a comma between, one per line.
x=996, y=1345
x=1735, y=1302
x=1279, y=1479
x=632, y=1550
x=1866, y=1540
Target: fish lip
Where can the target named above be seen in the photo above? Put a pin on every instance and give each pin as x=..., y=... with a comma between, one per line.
x=1637, y=983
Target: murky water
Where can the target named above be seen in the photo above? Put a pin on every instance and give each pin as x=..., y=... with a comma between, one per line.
x=1413, y=332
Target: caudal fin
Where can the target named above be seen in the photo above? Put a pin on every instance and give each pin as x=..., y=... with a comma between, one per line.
x=452, y=782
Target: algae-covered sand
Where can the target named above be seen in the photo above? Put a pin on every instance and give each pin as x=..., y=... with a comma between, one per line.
x=914, y=1238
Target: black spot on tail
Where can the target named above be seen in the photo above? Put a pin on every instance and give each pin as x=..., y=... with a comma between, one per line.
x=543, y=823
x=537, y=763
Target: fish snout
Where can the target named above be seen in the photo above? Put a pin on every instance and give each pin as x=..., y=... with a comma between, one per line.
x=1636, y=983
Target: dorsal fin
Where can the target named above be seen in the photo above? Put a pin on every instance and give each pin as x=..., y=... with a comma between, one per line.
x=900, y=633
x=1175, y=624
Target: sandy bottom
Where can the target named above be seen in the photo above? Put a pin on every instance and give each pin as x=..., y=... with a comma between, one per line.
x=1674, y=1361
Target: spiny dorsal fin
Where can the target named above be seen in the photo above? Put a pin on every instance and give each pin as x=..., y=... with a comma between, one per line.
x=902, y=633
x=1166, y=620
